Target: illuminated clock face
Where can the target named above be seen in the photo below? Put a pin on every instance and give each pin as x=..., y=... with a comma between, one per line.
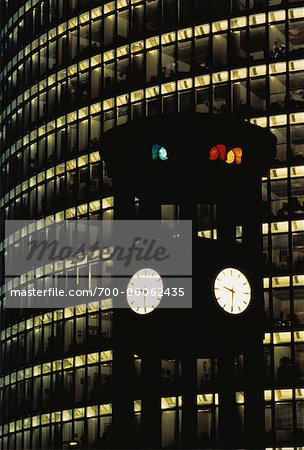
x=232, y=291
x=145, y=291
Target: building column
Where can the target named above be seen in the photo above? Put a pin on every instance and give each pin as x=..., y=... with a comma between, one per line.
x=254, y=358
x=226, y=218
x=254, y=395
x=151, y=406
x=123, y=398
x=228, y=436
x=124, y=208
x=189, y=393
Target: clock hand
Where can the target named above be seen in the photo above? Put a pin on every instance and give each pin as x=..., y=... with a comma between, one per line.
x=228, y=289
x=232, y=303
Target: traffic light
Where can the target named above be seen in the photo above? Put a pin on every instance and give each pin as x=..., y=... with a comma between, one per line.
x=159, y=152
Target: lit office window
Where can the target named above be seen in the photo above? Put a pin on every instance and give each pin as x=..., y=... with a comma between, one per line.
x=171, y=420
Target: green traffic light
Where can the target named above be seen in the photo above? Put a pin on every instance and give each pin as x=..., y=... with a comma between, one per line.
x=159, y=152
x=163, y=154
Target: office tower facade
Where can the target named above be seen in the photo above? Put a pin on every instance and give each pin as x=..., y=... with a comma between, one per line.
x=70, y=71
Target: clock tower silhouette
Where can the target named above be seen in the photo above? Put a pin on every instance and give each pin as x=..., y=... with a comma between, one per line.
x=208, y=169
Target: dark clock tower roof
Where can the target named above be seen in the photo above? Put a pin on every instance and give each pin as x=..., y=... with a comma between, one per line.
x=188, y=139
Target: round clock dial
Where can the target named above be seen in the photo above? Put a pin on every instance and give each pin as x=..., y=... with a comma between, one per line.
x=145, y=291
x=232, y=290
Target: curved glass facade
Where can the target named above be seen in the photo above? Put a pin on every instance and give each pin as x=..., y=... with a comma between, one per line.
x=71, y=70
